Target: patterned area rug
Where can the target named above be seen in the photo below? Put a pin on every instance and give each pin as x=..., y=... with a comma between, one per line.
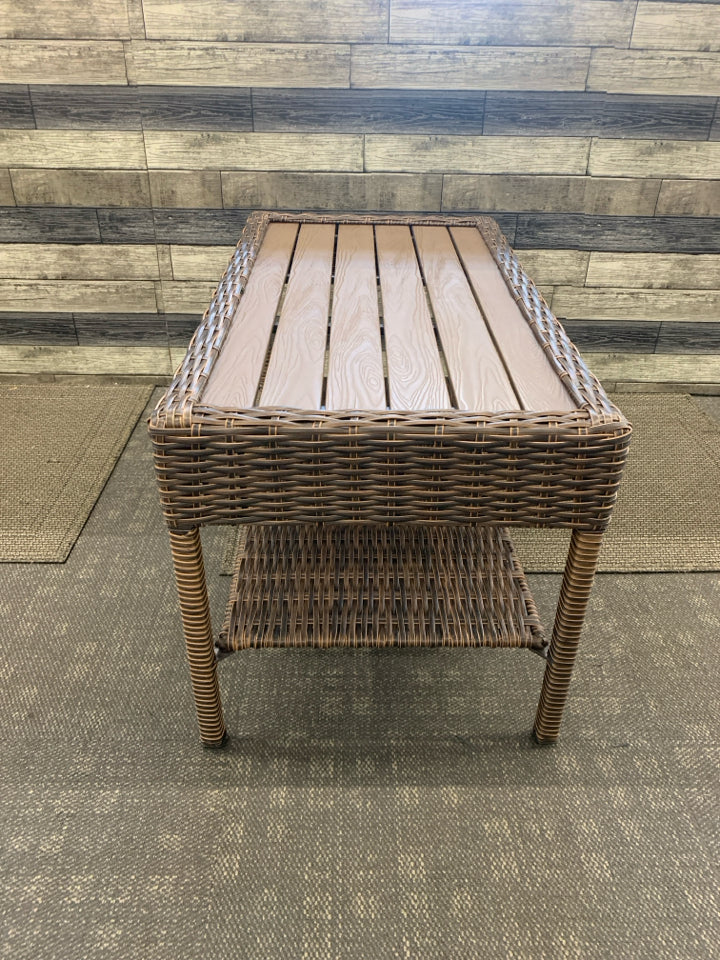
x=667, y=517
x=60, y=444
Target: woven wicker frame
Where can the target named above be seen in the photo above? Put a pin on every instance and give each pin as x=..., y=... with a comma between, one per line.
x=277, y=466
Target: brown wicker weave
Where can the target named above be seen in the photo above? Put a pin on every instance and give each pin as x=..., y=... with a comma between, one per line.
x=303, y=470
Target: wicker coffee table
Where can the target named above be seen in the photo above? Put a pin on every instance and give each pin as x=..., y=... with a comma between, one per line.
x=379, y=400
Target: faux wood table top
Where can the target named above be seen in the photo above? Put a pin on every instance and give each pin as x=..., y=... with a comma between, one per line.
x=380, y=317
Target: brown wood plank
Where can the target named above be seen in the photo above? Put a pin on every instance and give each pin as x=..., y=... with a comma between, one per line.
x=355, y=371
x=234, y=379
x=476, y=371
x=295, y=372
x=536, y=382
x=415, y=371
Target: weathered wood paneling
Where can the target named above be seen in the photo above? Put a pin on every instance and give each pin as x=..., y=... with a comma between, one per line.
x=550, y=194
x=689, y=198
x=688, y=338
x=195, y=108
x=183, y=188
x=60, y=261
x=449, y=154
x=527, y=113
x=640, y=71
x=672, y=26
x=618, y=304
x=467, y=68
x=7, y=197
x=74, y=295
x=134, y=361
x=240, y=64
x=62, y=61
x=654, y=158
x=628, y=336
x=370, y=111
x=187, y=296
x=16, y=112
x=120, y=328
x=279, y=21
x=548, y=267
x=656, y=368
x=531, y=22
x=48, y=225
x=333, y=191
x=654, y=270
x=630, y=234
x=91, y=18
x=126, y=225
x=48, y=328
x=200, y=263
x=212, y=227
x=82, y=188
x=64, y=148
x=252, y=151
x=71, y=107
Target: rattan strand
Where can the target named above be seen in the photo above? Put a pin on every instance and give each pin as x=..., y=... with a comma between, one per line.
x=323, y=585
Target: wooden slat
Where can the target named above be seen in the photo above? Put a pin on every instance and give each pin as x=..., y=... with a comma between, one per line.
x=355, y=367
x=186, y=188
x=477, y=373
x=7, y=198
x=205, y=263
x=656, y=368
x=64, y=148
x=536, y=382
x=92, y=261
x=104, y=19
x=173, y=62
x=638, y=234
x=655, y=158
x=673, y=26
x=415, y=371
x=81, y=188
x=280, y=21
x=555, y=266
x=552, y=155
x=568, y=22
x=131, y=296
x=663, y=72
x=187, y=296
x=332, y=191
x=234, y=378
x=62, y=61
x=422, y=67
x=58, y=360
x=648, y=270
x=295, y=371
x=49, y=225
x=252, y=151
x=607, y=303
x=694, y=198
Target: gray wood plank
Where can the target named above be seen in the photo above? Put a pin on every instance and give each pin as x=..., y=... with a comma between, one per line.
x=107, y=296
x=654, y=158
x=476, y=371
x=369, y=111
x=195, y=108
x=536, y=383
x=689, y=198
x=295, y=370
x=528, y=113
x=103, y=149
x=650, y=72
x=607, y=195
x=81, y=188
x=95, y=329
x=278, y=21
x=415, y=374
x=182, y=150
x=625, y=234
x=180, y=328
x=16, y=111
x=175, y=62
x=608, y=303
x=126, y=225
x=332, y=191
x=104, y=19
x=40, y=328
x=667, y=26
x=62, y=61
x=654, y=270
x=688, y=338
x=452, y=154
x=565, y=22
x=93, y=261
x=355, y=379
x=197, y=226
x=613, y=336
x=656, y=368
x=419, y=67
x=186, y=188
x=118, y=359
x=113, y=107
x=48, y=225
x=234, y=379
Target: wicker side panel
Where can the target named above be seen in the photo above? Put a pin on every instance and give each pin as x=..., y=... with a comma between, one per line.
x=276, y=467
x=323, y=586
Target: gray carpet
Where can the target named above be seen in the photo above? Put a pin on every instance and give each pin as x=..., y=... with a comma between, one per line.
x=60, y=444
x=370, y=804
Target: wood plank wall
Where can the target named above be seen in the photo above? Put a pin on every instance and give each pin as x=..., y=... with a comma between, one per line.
x=136, y=135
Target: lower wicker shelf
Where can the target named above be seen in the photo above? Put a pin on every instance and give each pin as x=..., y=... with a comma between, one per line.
x=324, y=585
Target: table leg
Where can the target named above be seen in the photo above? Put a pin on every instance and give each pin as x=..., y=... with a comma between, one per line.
x=195, y=609
x=574, y=595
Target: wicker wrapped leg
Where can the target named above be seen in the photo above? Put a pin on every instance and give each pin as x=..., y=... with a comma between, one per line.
x=574, y=595
x=195, y=609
